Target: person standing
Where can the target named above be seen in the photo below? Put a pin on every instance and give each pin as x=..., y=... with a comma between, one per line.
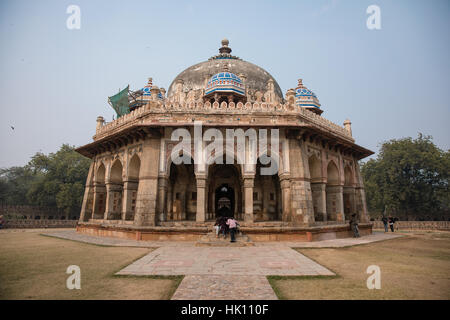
x=354, y=226
x=223, y=226
x=385, y=223
x=391, y=223
x=232, y=225
x=217, y=227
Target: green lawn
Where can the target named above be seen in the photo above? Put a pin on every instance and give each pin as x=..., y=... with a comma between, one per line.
x=33, y=266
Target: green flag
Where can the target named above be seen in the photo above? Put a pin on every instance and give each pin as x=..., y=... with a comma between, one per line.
x=119, y=102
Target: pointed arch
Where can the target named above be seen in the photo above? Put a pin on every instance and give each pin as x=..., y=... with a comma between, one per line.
x=99, y=192
x=116, y=172
x=332, y=173
x=100, y=173
x=114, y=189
x=181, y=196
x=348, y=176
x=334, y=192
x=317, y=188
x=134, y=167
x=266, y=194
x=131, y=188
x=315, y=169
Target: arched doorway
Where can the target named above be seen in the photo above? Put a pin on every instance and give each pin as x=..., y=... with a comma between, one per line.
x=318, y=188
x=266, y=195
x=131, y=188
x=349, y=193
x=99, y=193
x=115, y=191
x=181, y=196
x=332, y=189
x=224, y=189
x=224, y=201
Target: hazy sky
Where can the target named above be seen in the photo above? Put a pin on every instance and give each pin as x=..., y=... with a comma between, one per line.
x=390, y=83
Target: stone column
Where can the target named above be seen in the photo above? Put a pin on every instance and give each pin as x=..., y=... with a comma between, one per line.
x=98, y=189
x=361, y=206
x=128, y=188
x=162, y=191
x=87, y=206
x=109, y=201
x=183, y=201
x=335, y=203
x=320, y=199
x=169, y=202
x=285, y=199
x=360, y=196
x=201, y=198
x=248, y=195
x=264, y=214
x=236, y=198
x=213, y=203
x=340, y=205
x=323, y=201
x=148, y=183
x=302, y=210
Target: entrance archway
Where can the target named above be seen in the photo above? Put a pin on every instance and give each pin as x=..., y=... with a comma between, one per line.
x=224, y=189
x=182, y=192
x=224, y=201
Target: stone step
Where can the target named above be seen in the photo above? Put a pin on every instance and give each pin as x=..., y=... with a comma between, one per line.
x=210, y=224
x=210, y=239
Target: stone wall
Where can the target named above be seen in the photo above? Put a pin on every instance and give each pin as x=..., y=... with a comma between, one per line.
x=25, y=212
x=416, y=225
x=29, y=224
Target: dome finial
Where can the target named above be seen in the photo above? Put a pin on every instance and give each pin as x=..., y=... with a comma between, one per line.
x=225, y=48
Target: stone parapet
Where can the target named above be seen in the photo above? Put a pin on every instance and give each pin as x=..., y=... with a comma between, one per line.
x=161, y=114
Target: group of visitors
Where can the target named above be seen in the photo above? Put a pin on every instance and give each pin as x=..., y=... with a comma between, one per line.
x=225, y=225
x=389, y=221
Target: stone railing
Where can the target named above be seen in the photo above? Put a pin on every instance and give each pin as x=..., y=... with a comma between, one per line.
x=416, y=225
x=160, y=107
x=28, y=224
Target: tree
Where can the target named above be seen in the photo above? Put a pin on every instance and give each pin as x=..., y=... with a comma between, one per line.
x=410, y=178
x=60, y=179
x=14, y=185
x=54, y=180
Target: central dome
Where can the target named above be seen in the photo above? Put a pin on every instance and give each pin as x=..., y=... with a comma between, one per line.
x=196, y=77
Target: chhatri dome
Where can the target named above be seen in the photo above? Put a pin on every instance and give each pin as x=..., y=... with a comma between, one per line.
x=255, y=79
x=306, y=98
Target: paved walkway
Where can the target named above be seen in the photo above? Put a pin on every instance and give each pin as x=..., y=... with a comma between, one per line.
x=250, y=261
x=71, y=234
x=218, y=287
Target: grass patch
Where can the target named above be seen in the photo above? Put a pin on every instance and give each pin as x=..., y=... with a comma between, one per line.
x=34, y=267
x=412, y=267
